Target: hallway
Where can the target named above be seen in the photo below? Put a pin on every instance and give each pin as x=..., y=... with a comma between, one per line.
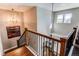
x=22, y=51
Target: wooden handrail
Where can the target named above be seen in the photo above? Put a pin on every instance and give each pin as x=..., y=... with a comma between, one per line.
x=74, y=30
x=65, y=43
x=22, y=34
x=70, y=34
x=20, y=38
x=44, y=35
x=62, y=41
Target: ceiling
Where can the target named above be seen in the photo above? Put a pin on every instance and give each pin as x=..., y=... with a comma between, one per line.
x=21, y=7
x=64, y=6
x=24, y=6
x=16, y=6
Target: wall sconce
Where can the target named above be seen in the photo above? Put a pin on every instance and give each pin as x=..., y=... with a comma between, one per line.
x=50, y=28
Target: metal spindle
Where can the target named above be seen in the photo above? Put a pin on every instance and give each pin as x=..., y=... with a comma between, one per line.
x=46, y=48
x=39, y=44
x=43, y=48
x=49, y=47
x=52, y=47
x=57, y=49
x=46, y=44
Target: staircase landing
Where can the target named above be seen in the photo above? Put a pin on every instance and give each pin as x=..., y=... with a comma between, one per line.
x=22, y=51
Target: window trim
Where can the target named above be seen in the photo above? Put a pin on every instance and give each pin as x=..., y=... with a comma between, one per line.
x=63, y=19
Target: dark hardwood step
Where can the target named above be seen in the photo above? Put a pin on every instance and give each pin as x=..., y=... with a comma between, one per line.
x=22, y=51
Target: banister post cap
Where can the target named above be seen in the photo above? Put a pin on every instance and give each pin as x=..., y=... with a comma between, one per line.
x=63, y=39
x=25, y=28
x=75, y=27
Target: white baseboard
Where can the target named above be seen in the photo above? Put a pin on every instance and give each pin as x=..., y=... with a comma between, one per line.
x=2, y=54
x=32, y=50
x=10, y=48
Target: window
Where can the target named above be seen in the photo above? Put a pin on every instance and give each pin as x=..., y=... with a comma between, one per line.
x=60, y=18
x=67, y=18
x=64, y=18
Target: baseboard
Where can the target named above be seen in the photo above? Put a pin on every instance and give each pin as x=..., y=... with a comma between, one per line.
x=2, y=54
x=32, y=50
x=14, y=47
x=6, y=50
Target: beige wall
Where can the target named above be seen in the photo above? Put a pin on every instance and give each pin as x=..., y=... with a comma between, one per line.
x=30, y=19
x=27, y=19
x=5, y=17
x=30, y=22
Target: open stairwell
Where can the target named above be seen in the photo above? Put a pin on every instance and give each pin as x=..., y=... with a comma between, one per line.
x=43, y=45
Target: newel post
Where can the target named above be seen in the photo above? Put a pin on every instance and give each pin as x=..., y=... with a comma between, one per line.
x=63, y=42
x=17, y=43
x=26, y=29
x=26, y=35
x=75, y=30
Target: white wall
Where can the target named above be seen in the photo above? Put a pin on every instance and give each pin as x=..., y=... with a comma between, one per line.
x=44, y=20
x=44, y=17
x=64, y=6
x=1, y=47
x=65, y=28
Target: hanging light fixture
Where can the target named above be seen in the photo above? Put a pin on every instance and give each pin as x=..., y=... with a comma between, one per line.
x=13, y=19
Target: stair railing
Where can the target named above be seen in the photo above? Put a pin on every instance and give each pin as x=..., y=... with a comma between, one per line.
x=45, y=45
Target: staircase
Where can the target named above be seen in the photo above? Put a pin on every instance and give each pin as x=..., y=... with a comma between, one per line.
x=46, y=45
x=21, y=51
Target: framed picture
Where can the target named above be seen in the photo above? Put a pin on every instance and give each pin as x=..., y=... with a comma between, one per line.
x=13, y=31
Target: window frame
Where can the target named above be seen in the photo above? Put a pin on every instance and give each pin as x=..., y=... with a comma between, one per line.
x=58, y=19
x=63, y=19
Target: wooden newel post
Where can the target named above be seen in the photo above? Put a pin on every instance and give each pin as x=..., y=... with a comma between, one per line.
x=63, y=46
x=17, y=43
x=27, y=37
x=75, y=30
x=26, y=29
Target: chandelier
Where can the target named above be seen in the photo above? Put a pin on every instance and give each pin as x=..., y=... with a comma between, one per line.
x=13, y=18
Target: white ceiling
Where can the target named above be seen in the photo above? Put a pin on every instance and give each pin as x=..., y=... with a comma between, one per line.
x=64, y=6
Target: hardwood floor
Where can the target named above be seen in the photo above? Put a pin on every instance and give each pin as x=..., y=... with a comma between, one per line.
x=22, y=51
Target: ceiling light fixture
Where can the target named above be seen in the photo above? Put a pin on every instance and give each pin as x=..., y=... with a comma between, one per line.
x=13, y=19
